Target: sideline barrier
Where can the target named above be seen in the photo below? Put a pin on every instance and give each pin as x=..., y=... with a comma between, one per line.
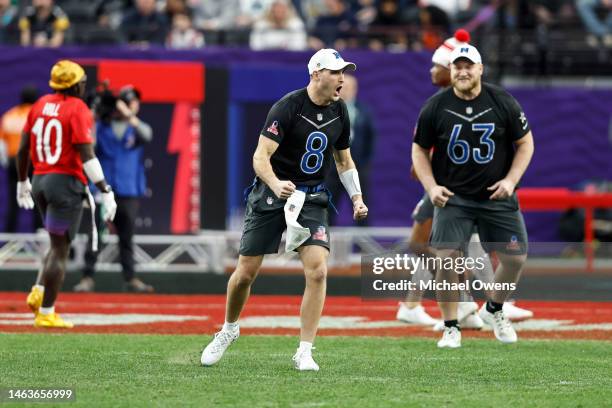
x=547, y=199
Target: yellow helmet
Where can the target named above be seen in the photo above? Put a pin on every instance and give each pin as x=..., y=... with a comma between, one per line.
x=65, y=74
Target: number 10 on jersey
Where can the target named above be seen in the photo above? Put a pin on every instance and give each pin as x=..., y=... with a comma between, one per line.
x=42, y=132
x=459, y=150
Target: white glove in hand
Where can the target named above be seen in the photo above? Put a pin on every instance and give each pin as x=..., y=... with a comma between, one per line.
x=24, y=194
x=109, y=206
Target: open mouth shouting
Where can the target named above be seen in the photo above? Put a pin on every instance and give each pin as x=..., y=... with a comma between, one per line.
x=337, y=91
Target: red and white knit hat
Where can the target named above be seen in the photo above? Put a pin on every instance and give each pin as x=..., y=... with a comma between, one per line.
x=443, y=52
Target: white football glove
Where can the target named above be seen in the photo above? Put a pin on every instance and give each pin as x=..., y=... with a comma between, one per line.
x=109, y=206
x=24, y=194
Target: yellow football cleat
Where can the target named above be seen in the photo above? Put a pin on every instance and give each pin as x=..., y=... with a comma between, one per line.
x=35, y=299
x=52, y=320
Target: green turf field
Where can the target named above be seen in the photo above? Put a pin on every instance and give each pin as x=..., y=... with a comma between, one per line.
x=155, y=370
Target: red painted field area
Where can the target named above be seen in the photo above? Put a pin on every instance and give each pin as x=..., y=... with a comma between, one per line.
x=190, y=314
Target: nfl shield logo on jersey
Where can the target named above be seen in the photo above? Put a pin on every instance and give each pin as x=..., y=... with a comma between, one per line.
x=269, y=200
x=469, y=110
x=319, y=117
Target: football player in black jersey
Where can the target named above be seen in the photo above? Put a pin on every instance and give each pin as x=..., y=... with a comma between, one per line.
x=482, y=146
x=304, y=132
x=412, y=311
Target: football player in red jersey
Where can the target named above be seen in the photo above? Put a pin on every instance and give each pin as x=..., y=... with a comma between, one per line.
x=57, y=138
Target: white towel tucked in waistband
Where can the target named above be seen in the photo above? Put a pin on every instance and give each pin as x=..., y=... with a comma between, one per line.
x=296, y=234
x=94, y=228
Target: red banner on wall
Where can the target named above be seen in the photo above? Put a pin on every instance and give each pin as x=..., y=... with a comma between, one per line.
x=179, y=85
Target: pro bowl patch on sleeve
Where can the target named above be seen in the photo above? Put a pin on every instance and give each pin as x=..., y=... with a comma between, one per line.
x=273, y=128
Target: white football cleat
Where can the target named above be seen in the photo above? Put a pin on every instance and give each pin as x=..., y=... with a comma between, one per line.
x=451, y=338
x=302, y=361
x=415, y=315
x=515, y=313
x=215, y=349
x=502, y=327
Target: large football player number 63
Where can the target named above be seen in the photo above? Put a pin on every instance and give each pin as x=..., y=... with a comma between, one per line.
x=459, y=150
x=42, y=132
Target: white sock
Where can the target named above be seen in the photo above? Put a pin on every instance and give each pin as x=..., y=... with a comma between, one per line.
x=47, y=310
x=230, y=327
x=305, y=346
x=40, y=288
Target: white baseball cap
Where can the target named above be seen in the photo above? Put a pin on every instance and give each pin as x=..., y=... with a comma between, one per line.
x=466, y=51
x=328, y=58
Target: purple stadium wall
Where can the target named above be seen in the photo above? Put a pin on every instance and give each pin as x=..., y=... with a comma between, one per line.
x=571, y=126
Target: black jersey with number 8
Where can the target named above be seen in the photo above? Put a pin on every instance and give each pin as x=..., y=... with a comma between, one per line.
x=306, y=134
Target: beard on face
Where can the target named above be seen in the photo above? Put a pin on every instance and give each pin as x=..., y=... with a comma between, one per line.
x=465, y=85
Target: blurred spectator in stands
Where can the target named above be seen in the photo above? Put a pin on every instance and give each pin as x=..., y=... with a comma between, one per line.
x=457, y=10
x=109, y=13
x=598, y=29
x=364, y=11
x=552, y=12
x=43, y=24
x=311, y=10
x=280, y=28
x=435, y=27
x=120, y=139
x=362, y=140
x=8, y=22
x=144, y=25
x=531, y=14
x=252, y=11
x=11, y=125
x=171, y=7
x=183, y=35
x=335, y=28
x=388, y=30
x=215, y=14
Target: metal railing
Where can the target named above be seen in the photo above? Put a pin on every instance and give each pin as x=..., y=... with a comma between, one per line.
x=217, y=251
x=209, y=251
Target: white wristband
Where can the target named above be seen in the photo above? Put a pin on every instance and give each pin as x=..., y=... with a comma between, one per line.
x=350, y=181
x=93, y=170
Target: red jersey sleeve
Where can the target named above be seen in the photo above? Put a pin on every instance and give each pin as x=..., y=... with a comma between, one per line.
x=81, y=124
x=28, y=125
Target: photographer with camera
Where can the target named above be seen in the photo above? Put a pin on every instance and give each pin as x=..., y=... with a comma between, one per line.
x=120, y=139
